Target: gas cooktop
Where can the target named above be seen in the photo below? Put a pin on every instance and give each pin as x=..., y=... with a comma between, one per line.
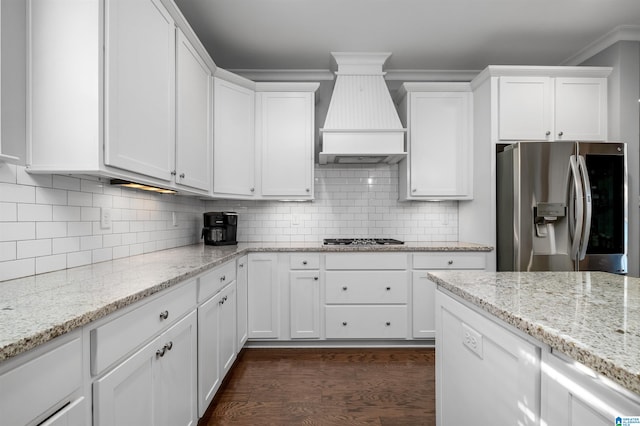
x=360, y=241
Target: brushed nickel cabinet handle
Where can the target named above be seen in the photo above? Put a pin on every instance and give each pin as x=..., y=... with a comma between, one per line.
x=164, y=315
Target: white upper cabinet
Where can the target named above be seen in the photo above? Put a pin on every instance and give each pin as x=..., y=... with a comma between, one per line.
x=193, y=117
x=102, y=98
x=139, y=87
x=285, y=138
x=438, y=118
x=552, y=108
x=233, y=140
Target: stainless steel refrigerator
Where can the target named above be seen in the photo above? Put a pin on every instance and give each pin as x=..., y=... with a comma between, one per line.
x=562, y=206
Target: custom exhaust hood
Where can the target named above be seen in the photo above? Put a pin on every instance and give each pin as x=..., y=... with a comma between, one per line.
x=362, y=125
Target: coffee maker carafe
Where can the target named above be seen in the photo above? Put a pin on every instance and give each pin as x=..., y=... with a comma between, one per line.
x=220, y=228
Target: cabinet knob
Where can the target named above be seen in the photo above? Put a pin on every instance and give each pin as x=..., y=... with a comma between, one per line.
x=173, y=172
x=344, y=288
x=388, y=323
x=304, y=262
x=308, y=190
x=169, y=346
x=315, y=278
x=548, y=132
x=160, y=352
x=252, y=189
x=561, y=133
x=222, y=278
x=164, y=315
x=450, y=262
x=182, y=175
x=388, y=288
x=240, y=265
x=344, y=323
x=414, y=190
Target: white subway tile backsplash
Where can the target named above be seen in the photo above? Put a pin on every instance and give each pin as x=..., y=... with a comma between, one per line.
x=66, y=245
x=66, y=182
x=66, y=213
x=51, y=196
x=51, y=263
x=8, y=212
x=17, y=193
x=80, y=199
x=8, y=173
x=91, y=242
x=17, y=231
x=33, y=248
x=75, y=229
x=24, y=178
x=89, y=214
x=101, y=255
x=79, y=258
x=7, y=251
x=51, y=229
x=34, y=212
x=17, y=268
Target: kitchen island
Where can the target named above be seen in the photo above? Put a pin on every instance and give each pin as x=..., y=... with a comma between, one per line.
x=552, y=325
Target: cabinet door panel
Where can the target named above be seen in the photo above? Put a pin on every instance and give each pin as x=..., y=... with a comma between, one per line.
x=227, y=324
x=176, y=375
x=581, y=109
x=193, y=115
x=241, y=302
x=209, y=377
x=305, y=304
x=439, y=149
x=287, y=143
x=126, y=394
x=424, y=306
x=264, y=296
x=139, y=87
x=234, y=139
x=525, y=109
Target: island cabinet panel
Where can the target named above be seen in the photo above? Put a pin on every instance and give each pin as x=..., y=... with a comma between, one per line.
x=574, y=395
x=304, y=293
x=482, y=366
x=264, y=296
x=45, y=386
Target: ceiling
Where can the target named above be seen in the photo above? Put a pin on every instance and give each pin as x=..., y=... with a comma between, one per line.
x=421, y=34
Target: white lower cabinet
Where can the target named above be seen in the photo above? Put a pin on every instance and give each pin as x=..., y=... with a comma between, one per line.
x=424, y=290
x=45, y=386
x=576, y=396
x=242, y=289
x=304, y=291
x=154, y=386
x=264, y=296
x=485, y=374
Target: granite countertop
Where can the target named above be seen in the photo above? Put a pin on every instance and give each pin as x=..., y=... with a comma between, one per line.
x=36, y=309
x=592, y=317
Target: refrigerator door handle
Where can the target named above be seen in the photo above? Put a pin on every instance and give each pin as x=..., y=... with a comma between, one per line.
x=576, y=211
x=586, y=226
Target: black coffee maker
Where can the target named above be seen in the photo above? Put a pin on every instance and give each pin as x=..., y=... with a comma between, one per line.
x=220, y=228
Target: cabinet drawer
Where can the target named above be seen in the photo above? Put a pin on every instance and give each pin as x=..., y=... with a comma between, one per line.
x=213, y=281
x=113, y=340
x=355, y=287
x=450, y=261
x=366, y=322
x=42, y=385
x=304, y=261
x=366, y=261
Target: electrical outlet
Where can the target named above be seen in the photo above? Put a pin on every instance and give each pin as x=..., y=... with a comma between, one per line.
x=105, y=218
x=295, y=220
x=472, y=339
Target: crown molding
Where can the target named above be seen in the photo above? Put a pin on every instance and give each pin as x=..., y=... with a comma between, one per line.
x=620, y=33
x=431, y=75
x=285, y=75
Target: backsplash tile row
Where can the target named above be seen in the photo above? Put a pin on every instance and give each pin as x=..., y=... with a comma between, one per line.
x=350, y=201
x=51, y=222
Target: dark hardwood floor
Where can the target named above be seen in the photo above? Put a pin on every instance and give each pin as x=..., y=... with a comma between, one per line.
x=385, y=387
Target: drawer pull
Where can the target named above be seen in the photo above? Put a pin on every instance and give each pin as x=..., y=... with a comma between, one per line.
x=388, y=323
x=388, y=288
x=344, y=323
x=169, y=346
x=344, y=288
x=304, y=262
x=164, y=315
x=241, y=265
x=223, y=278
x=160, y=352
x=450, y=262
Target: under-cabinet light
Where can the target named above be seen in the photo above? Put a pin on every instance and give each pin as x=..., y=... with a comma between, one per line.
x=133, y=185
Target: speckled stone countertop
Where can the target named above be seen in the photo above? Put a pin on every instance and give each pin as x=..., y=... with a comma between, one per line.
x=36, y=309
x=592, y=317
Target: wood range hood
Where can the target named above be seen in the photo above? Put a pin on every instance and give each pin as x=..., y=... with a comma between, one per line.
x=362, y=124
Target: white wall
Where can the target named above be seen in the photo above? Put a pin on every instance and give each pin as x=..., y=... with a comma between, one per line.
x=50, y=222
x=624, y=126
x=350, y=201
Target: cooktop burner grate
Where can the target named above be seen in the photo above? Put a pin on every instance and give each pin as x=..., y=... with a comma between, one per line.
x=361, y=241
